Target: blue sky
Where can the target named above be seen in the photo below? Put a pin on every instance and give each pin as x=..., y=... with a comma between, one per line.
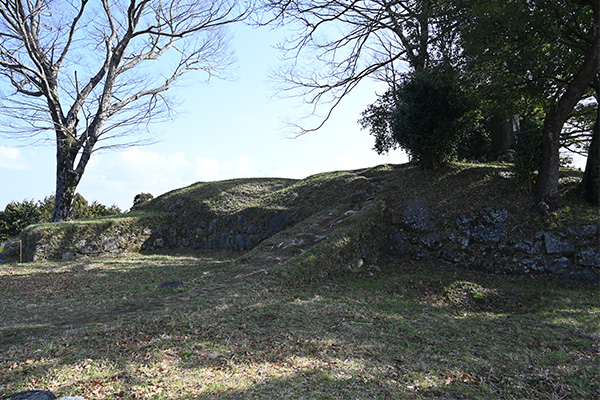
x=223, y=130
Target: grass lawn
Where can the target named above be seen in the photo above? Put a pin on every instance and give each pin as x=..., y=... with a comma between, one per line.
x=101, y=329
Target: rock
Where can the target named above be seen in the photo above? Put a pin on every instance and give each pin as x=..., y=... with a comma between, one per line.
x=486, y=226
x=67, y=256
x=557, y=244
x=89, y=247
x=452, y=256
x=399, y=244
x=585, y=275
x=418, y=218
x=241, y=220
x=588, y=258
x=539, y=264
x=212, y=226
x=432, y=241
x=111, y=244
x=160, y=242
x=240, y=242
x=170, y=285
x=584, y=231
x=33, y=395
x=254, y=228
x=529, y=247
x=277, y=221
x=559, y=265
x=219, y=242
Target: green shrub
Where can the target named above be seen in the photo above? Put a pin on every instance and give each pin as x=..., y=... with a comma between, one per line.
x=19, y=215
x=423, y=115
x=141, y=197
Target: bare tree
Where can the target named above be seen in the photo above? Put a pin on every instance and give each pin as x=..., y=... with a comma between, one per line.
x=92, y=72
x=345, y=42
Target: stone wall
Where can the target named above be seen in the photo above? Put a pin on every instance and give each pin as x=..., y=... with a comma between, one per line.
x=484, y=240
x=68, y=241
x=480, y=240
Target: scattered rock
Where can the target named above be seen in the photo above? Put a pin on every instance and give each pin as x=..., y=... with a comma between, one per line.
x=452, y=256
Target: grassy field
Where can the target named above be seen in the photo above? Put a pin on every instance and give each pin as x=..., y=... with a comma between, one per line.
x=102, y=329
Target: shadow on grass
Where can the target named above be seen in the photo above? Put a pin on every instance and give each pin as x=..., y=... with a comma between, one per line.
x=112, y=334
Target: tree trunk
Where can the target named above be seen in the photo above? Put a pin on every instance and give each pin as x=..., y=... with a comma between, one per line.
x=546, y=189
x=66, y=184
x=590, y=184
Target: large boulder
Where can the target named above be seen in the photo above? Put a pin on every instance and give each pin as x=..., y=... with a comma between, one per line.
x=33, y=395
x=39, y=395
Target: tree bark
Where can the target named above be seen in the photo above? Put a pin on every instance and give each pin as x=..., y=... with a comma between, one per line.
x=590, y=184
x=67, y=180
x=546, y=189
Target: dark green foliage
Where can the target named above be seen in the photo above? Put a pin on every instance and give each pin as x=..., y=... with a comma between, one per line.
x=423, y=115
x=528, y=153
x=141, y=197
x=18, y=215
x=475, y=143
x=378, y=119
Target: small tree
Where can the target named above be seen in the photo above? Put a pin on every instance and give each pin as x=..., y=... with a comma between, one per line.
x=90, y=71
x=141, y=197
x=423, y=115
x=17, y=216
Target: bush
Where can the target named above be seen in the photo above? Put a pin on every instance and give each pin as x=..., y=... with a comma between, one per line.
x=427, y=118
x=19, y=215
x=141, y=197
x=423, y=115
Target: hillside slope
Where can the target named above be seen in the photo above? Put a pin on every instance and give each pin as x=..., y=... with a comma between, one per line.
x=339, y=221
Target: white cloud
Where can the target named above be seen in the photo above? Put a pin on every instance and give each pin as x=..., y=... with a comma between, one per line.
x=117, y=177
x=12, y=159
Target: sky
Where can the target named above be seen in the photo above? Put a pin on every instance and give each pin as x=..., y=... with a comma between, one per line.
x=222, y=130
